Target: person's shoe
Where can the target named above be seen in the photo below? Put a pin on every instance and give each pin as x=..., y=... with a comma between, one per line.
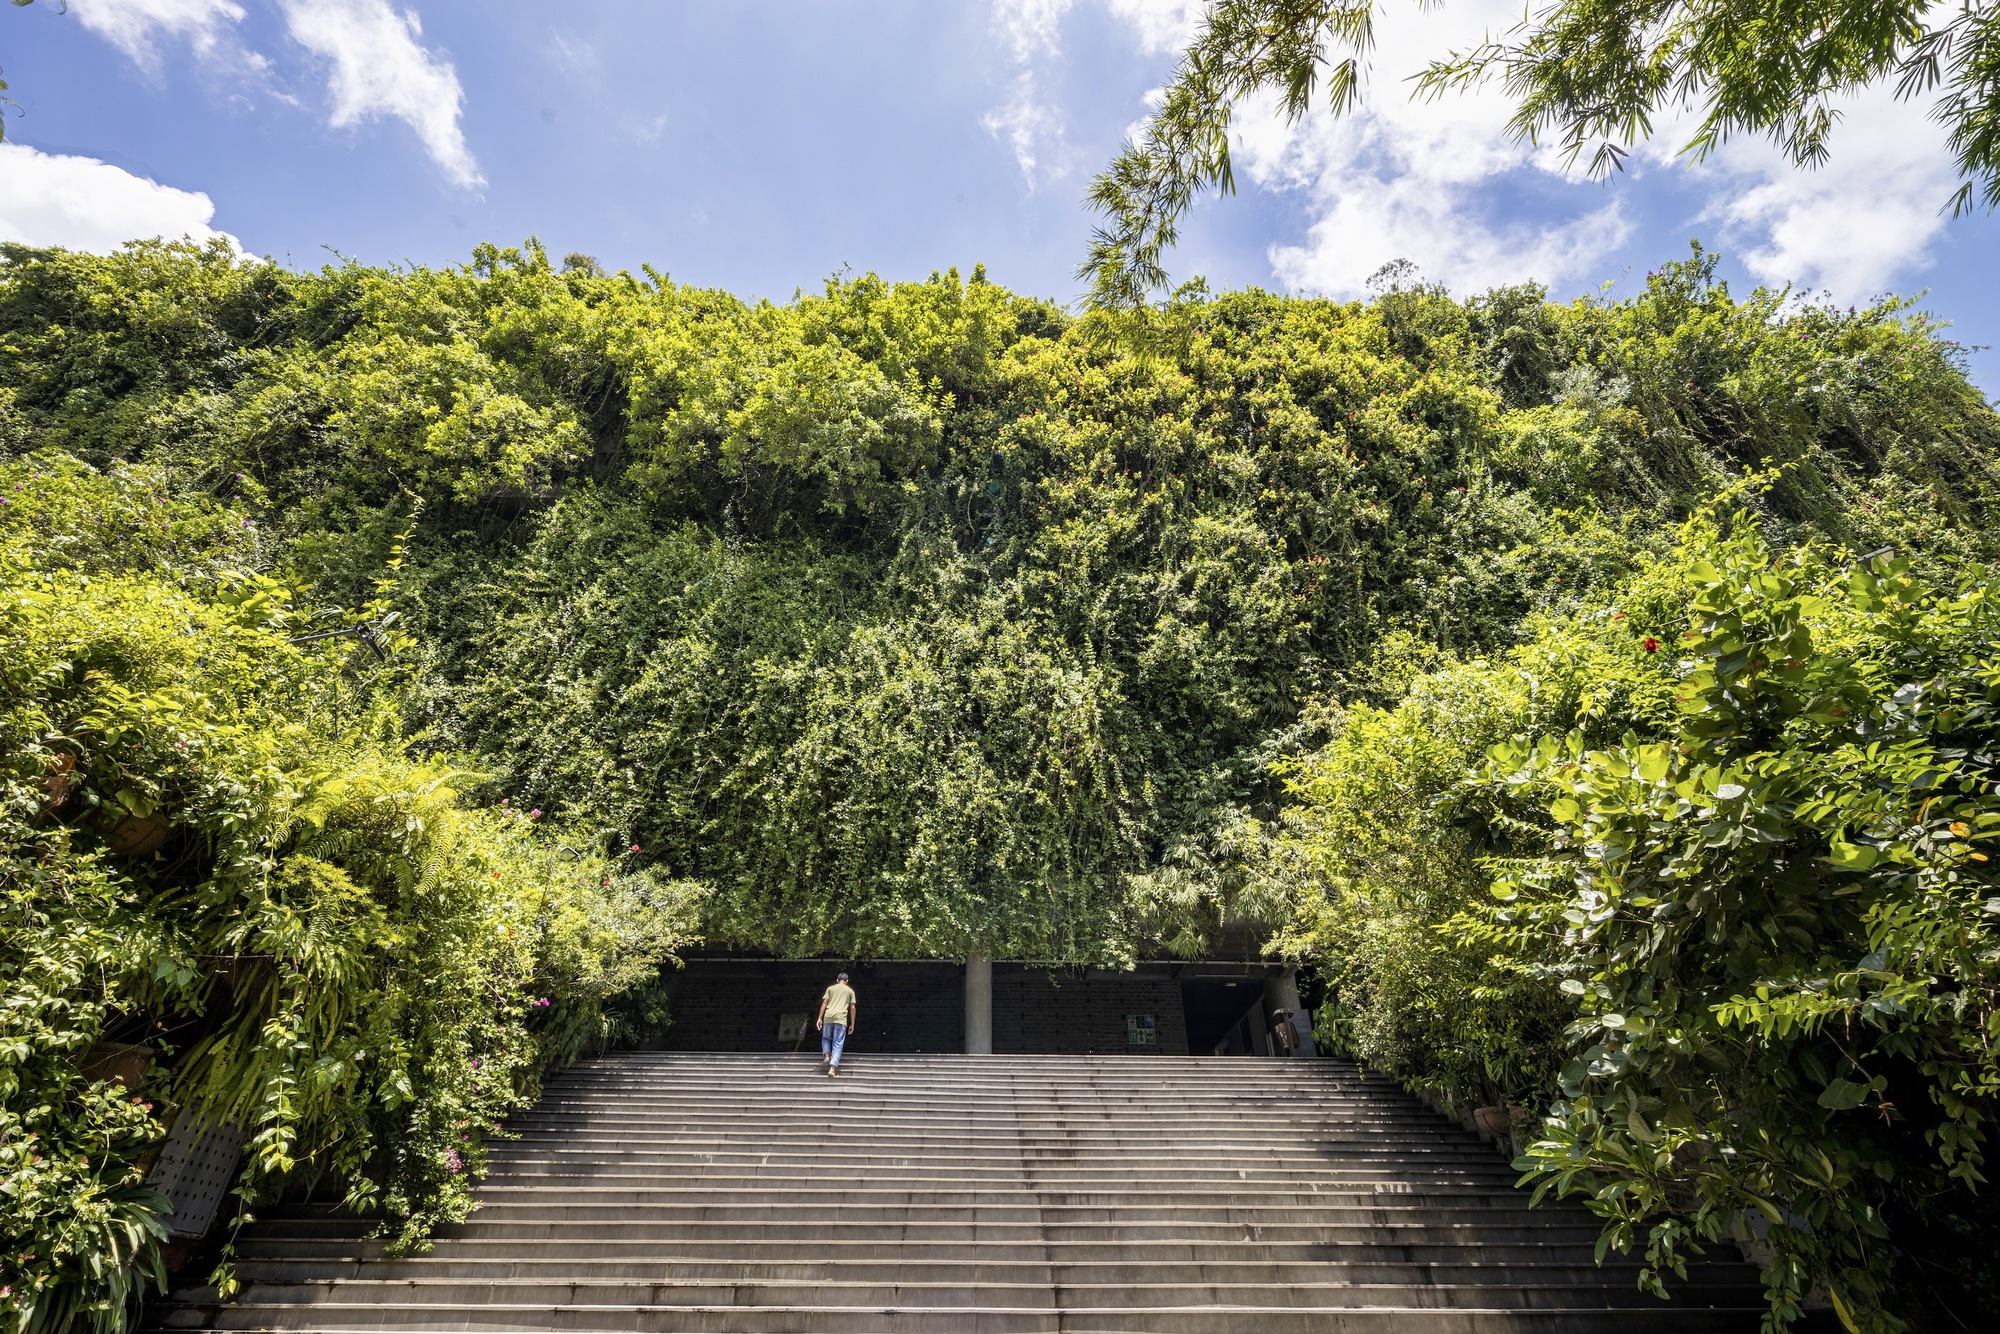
x=833, y=1069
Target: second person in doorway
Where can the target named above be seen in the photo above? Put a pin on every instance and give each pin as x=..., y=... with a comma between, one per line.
x=835, y=1022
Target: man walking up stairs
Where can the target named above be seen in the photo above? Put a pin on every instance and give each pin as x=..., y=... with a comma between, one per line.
x=836, y=1021
x=976, y=1195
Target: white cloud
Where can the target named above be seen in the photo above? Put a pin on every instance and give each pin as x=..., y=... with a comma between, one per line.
x=380, y=68
x=1411, y=179
x=1406, y=217
x=649, y=131
x=133, y=25
x=1035, y=130
x=1850, y=227
x=1441, y=183
x=50, y=199
x=1031, y=27
x=576, y=57
x=1162, y=25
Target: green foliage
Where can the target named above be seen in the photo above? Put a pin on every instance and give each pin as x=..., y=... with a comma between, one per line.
x=328, y=948
x=917, y=618
x=1595, y=74
x=1776, y=916
x=1591, y=73
x=1244, y=46
x=1715, y=904
x=1371, y=863
x=908, y=619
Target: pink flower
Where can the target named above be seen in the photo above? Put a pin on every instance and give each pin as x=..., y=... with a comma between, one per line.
x=635, y=847
x=535, y=814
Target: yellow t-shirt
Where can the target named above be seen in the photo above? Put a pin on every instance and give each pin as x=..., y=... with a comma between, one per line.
x=839, y=1003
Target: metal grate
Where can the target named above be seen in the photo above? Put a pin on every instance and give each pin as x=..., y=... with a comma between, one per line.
x=194, y=1170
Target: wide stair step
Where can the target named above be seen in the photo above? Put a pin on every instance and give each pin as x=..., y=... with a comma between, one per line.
x=974, y=1195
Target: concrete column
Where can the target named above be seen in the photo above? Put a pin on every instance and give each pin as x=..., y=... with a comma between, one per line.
x=978, y=1005
x=1282, y=993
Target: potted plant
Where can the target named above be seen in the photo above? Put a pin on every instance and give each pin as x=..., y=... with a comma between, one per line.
x=130, y=826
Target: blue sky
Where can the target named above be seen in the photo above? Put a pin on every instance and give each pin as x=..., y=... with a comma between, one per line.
x=762, y=146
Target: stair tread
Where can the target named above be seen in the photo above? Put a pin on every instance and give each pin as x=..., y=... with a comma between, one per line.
x=1092, y=1195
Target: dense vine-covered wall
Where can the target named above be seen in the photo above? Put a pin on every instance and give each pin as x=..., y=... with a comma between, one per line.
x=914, y=618
x=917, y=619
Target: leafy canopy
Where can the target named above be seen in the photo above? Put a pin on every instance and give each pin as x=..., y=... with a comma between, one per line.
x=917, y=618
x=1591, y=74
x=1717, y=902
x=324, y=946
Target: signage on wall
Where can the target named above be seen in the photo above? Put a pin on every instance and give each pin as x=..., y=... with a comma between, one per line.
x=1141, y=1030
x=791, y=1027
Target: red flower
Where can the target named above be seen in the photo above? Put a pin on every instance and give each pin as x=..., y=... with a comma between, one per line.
x=1650, y=643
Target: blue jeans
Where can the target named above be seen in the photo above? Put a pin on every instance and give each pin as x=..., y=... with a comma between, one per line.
x=832, y=1037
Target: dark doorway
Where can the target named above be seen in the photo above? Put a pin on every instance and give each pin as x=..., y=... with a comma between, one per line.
x=1223, y=1018
x=750, y=1004
x=769, y=1004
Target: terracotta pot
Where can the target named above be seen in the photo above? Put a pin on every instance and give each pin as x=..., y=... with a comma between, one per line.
x=1490, y=1121
x=57, y=784
x=134, y=835
x=120, y=1062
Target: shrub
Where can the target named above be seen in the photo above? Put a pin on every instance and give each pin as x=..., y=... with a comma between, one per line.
x=329, y=949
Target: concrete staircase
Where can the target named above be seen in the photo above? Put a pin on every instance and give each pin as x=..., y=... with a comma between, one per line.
x=975, y=1194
